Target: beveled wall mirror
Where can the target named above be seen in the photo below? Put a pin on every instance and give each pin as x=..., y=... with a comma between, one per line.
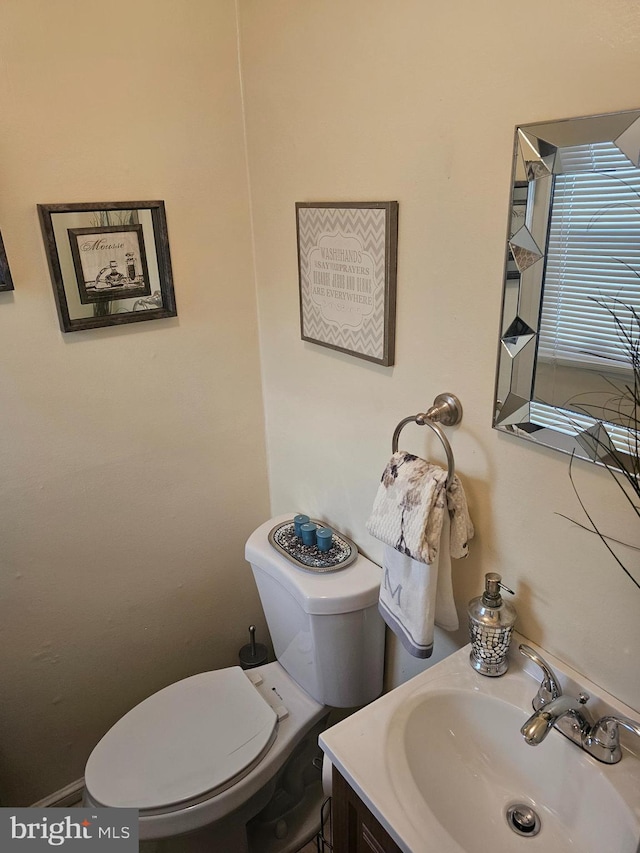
x=570, y=327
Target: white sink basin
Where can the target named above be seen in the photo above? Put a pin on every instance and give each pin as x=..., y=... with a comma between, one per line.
x=465, y=760
x=440, y=760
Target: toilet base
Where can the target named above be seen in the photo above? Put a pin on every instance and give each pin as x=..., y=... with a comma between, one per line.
x=302, y=825
x=292, y=815
x=202, y=841
x=288, y=812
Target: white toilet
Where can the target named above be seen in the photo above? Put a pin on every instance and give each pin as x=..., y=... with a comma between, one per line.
x=203, y=757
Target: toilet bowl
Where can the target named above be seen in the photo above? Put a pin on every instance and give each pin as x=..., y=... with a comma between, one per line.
x=203, y=757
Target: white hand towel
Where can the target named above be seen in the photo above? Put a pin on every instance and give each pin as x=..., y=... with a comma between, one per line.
x=409, y=517
x=446, y=615
x=407, y=600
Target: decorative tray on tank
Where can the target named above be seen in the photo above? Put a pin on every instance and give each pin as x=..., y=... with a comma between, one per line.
x=309, y=557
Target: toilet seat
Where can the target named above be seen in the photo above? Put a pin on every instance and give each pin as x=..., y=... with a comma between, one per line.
x=241, y=798
x=186, y=743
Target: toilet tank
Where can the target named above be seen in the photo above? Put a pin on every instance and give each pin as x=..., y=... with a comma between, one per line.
x=325, y=627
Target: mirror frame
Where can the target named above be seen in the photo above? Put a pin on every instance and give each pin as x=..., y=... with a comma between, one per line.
x=160, y=248
x=537, y=159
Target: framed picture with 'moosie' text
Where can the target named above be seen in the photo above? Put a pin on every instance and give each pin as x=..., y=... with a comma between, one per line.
x=109, y=262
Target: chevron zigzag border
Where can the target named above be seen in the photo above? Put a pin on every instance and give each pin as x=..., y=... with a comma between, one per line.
x=340, y=232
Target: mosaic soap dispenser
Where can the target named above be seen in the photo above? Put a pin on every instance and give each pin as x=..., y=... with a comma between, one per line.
x=491, y=622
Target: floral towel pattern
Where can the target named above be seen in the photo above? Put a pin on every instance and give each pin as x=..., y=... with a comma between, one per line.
x=408, y=511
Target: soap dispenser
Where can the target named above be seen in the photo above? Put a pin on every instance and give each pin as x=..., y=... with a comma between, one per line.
x=491, y=622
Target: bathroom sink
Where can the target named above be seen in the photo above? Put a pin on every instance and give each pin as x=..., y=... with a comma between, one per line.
x=440, y=760
x=460, y=754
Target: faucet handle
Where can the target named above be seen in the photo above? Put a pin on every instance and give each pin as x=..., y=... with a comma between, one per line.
x=550, y=686
x=604, y=739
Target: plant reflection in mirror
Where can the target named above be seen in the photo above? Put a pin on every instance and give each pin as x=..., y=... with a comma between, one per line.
x=624, y=467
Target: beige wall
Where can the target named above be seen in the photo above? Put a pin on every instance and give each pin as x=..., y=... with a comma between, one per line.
x=414, y=101
x=133, y=463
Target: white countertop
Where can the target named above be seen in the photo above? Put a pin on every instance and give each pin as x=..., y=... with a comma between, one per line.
x=364, y=746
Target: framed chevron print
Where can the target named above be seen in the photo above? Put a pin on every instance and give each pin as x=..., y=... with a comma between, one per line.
x=347, y=258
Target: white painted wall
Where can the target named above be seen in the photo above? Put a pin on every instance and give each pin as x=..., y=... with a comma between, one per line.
x=417, y=102
x=132, y=460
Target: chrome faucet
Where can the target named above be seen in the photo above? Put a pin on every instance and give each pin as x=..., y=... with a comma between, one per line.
x=604, y=738
x=541, y=722
x=550, y=687
x=569, y=716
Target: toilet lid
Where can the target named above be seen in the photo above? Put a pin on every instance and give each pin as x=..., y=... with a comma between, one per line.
x=194, y=738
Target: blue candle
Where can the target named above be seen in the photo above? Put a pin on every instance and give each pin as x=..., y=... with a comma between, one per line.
x=298, y=521
x=324, y=536
x=308, y=531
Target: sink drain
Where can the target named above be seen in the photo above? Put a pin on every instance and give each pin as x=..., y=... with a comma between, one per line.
x=523, y=820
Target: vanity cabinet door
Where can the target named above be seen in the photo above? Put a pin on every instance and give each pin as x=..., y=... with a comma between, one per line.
x=355, y=829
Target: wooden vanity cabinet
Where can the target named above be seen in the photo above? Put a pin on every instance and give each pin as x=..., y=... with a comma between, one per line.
x=355, y=829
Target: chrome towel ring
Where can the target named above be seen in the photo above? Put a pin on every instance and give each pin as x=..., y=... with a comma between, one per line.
x=446, y=410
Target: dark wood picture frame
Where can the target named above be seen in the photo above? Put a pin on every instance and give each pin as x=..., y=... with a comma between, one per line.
x=6, y=282
x=347, y=267
x=159, y=305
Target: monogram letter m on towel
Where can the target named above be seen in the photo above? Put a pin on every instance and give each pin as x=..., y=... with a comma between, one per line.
x=420, y=537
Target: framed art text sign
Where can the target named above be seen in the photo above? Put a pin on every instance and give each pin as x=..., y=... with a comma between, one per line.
x=347, y=258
